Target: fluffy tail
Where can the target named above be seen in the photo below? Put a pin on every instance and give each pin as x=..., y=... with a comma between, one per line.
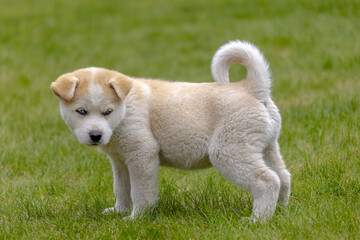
x=258, y=74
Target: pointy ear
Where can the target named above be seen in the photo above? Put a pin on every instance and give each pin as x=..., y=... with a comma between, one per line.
x=64, y=87
x=121, y=84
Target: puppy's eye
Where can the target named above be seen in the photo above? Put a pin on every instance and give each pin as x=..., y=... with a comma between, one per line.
x=81, y=111
x=108, y=112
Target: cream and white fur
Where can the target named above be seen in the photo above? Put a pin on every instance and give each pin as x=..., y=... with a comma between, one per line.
x=233, y=127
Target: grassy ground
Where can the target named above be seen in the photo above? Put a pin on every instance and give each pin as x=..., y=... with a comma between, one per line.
x=52, y=187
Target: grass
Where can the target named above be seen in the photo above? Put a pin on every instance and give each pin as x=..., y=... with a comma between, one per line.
x=52, y=187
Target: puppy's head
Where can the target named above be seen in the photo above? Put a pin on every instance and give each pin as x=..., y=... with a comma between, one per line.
x=92, y=102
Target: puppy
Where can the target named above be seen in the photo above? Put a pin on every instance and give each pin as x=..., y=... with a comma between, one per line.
x=142, y=124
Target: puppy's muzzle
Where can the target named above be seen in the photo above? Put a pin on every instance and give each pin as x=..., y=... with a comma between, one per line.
x=95, y=137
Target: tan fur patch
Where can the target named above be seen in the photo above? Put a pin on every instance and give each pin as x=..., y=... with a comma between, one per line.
x=102, y=77
x=71, y=86
x=64, y=86
x=70, y=90
x=116, y=81
x=84, y=76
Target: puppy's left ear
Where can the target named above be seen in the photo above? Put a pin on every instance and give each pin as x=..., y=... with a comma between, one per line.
x=64, y=87
x=121, y=84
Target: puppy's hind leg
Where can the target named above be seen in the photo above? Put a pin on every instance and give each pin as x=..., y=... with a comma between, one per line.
x=245, y=167
x=275, y=161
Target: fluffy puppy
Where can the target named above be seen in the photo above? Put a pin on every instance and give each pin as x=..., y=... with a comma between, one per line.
x=142, y=124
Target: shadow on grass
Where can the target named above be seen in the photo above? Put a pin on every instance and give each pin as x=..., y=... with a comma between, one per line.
x=208, y=201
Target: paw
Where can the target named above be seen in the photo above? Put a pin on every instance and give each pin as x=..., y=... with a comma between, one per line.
x=135, y=214
x=128, y=218
x=254, y=220
x=249, y=220
x=283, y=201
x=109, y=211
x=114, y=210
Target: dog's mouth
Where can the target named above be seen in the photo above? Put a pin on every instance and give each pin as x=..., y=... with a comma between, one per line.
x=93, y=144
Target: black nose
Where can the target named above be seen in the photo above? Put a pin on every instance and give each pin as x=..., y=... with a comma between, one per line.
x=95, y=136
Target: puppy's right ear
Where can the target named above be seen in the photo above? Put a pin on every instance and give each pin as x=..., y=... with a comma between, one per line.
x=64, y=87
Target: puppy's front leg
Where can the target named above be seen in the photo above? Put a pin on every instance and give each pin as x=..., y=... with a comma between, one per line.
x=143, y=171
x=121, y=186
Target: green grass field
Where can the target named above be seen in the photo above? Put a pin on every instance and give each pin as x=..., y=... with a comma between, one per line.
x=53, y=187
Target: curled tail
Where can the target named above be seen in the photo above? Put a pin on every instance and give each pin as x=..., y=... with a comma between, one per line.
x=258, y=74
